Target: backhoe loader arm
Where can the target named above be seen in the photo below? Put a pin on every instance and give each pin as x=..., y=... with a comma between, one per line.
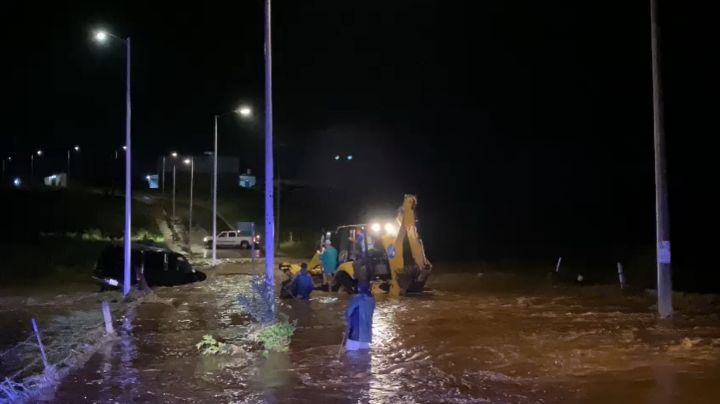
x=407, y=229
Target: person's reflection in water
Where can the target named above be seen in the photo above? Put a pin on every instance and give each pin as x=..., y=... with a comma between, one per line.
x=357, y=364
x=128, y=374
x=665, y=386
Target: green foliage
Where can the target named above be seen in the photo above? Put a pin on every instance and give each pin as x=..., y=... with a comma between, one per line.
x=94, y=235
x=145, y=235
x=276, y=337
x=209, y=345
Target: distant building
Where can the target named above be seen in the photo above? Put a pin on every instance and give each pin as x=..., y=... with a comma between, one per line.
x=58, y=180
x=247, y=180
x=152, y=181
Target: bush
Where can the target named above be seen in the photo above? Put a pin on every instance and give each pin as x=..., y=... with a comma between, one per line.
x=276, y=337
x=209, y=345
x=145, y=235
x=93, y=235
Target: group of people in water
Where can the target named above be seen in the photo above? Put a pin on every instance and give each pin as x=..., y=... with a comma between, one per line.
x=358, y=314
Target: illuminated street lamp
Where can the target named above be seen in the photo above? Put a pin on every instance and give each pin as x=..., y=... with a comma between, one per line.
x=75, y=148
x=32, y=161
x=174, y=156
x=101, y=36
x=190, y=162
x=9, y=160
x=245, y=112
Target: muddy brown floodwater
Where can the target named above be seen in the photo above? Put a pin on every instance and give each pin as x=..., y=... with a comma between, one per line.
x=492, y=338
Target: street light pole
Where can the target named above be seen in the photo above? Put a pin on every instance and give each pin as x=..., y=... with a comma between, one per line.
x=102, y=37
x=128, y=176
x=191, y=161
x=32, y=162
x=662, y=215
x=245, y=112
x=214, y=196
x=173, y=215
x=163, y=177
x=67, y=175
x=269, y=217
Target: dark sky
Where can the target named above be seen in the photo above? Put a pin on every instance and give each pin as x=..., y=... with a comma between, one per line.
x=521, y=124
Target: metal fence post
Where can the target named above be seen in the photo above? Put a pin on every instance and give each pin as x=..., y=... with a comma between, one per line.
x=40, y=344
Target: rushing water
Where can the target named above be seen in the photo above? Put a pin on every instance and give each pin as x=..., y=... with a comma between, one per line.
x=473, y=339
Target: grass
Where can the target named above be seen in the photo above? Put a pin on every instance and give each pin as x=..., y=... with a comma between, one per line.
x=49, y=260
x=69, y=211
x=56, y=235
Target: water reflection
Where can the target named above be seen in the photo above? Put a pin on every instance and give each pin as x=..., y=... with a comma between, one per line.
x=462, y=344
x=128, y=374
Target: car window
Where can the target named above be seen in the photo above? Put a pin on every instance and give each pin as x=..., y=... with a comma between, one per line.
x=172, y=262
x=223, y=234
x=231, y=234
x=183, y=264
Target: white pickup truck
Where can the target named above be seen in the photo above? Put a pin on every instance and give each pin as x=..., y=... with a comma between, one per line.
x=233, y=239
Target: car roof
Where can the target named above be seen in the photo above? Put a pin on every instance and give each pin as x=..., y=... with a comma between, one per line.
x=145, y=247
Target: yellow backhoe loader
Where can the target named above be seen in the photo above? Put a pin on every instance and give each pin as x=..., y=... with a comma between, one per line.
x=391, y=255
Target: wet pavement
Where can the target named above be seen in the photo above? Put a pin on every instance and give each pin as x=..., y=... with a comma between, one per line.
x=491, y=338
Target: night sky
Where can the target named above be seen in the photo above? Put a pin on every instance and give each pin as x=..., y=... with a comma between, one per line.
x=524, y=127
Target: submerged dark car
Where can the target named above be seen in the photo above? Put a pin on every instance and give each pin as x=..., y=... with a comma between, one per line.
x=161, y=267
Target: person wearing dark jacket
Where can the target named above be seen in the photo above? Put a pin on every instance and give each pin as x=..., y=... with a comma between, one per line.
x=359, y=316
x=302, y=285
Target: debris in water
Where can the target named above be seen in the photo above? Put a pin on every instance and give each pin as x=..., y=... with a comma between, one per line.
x=326, y=299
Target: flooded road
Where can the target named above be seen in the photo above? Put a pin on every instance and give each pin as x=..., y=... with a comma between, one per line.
x=491, y=338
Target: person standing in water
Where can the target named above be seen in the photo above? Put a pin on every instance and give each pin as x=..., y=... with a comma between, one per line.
x=359, y=316
x=329, y=260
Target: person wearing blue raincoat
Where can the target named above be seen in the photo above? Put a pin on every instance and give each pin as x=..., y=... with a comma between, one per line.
x=302, y=284
x=359, y=316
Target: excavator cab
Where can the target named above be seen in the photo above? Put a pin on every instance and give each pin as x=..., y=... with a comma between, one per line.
x=392, y=254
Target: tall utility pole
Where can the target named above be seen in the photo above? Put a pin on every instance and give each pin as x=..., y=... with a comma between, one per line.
x=192, y=175
x=278, y=233
x=128, y=179
x=162, y=187
x=214, y=191
x=173, y=198
x=69, y=151
x=269, y=217
x=662, y=216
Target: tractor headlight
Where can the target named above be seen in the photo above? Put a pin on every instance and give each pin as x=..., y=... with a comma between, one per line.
x=375, y=227
x=390, y=228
